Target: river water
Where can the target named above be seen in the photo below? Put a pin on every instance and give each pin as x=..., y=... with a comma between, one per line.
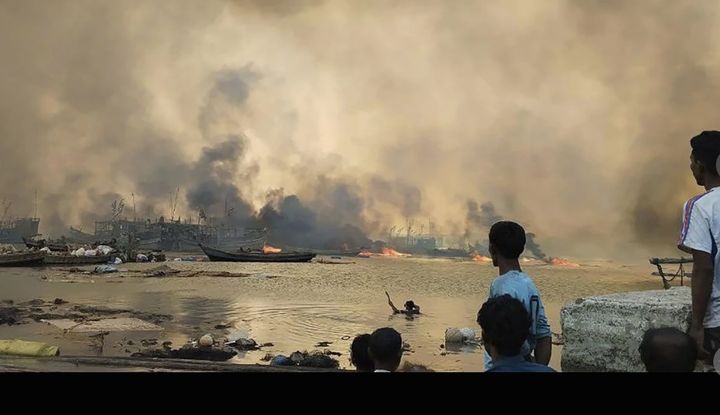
x=295, y=306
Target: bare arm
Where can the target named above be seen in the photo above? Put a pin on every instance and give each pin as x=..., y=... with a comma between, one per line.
x=390, y=303
x=702, y=279
x=543, y=350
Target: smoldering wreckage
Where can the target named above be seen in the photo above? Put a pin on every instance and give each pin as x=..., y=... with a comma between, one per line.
x=115, y=242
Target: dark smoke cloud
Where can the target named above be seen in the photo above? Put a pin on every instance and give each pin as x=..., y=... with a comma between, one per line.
x=291, y=223
x=480, y=220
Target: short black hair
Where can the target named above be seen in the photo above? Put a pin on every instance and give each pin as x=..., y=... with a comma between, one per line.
x=668, y=349
x=706, y=149
x=386, y=345
x=359, y=355
x=508, y=238
x=505, y=324
x=409, y=304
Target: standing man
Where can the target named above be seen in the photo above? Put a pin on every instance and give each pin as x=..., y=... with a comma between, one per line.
x=699, y=236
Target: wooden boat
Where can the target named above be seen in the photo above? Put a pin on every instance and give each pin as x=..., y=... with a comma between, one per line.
x=22, y=259
x=255, y=256
x=76, y=260
x=42, y=244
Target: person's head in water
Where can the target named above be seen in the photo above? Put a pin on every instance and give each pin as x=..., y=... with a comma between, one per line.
x=704, y=157
x=507, y=242
x=386, y=349
x=359, y=354
x=668, y=349
x=505, y=326
x=411, y=307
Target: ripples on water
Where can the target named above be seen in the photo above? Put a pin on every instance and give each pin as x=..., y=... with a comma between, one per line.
x=309, y=303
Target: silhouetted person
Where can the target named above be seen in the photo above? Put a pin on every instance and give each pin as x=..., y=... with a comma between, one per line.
x=359, y=354
x=507, y=242
x=668, y=349
x=505, y=327
x=699, y=236
x=386, y=349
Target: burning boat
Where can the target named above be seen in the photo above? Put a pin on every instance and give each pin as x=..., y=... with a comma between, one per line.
x=267, y=254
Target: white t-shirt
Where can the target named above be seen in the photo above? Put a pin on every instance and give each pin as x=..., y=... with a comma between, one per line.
x=701, y=231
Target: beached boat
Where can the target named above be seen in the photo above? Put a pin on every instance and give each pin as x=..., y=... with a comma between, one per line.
x=76, y=260
x=54, y=247
x=22, y=259
x=255, y=256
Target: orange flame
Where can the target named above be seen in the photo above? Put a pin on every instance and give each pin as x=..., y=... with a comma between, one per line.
x=391, y=252
x=268, y=249
x=561, y=262
x=365, y=254
x=481, y=258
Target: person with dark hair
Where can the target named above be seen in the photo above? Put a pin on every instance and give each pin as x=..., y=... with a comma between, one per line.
x=699, y=236
x=359, y=355
x=505, y=327
x=668, y=349
x=410, y=307
x=506, y=243
x=386, y=349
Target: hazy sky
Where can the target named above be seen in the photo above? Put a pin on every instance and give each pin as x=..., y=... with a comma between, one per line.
x=571, y=117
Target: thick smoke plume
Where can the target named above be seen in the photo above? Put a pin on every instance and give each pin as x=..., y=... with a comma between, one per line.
x=573, y=117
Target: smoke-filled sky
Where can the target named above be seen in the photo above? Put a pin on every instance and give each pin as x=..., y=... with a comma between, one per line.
x=572, y=117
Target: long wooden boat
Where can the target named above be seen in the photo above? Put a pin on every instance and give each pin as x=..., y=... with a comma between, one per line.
x=76, y=260
x=22, y=259
x=255, y=256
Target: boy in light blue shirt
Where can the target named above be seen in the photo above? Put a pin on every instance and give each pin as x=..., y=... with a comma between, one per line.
x=507, y=242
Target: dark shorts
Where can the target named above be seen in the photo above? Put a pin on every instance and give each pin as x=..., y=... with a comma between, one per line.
x=712, y=341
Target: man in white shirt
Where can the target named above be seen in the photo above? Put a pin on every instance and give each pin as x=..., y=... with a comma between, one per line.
x=699, y=236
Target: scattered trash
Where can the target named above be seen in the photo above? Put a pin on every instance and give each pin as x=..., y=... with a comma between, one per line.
x=453, y=336
x=7, y=249
x=59, y=301
x=117, y=261
x=468, y=334
x=323, y=344
x=104, y=269
x=316, y=359
x=108, y=324
x=45, y=249
x=148, y=342
x=141, y=258
x=104, y=249
x=27, y=348
x=206, y=340
x=189, y=351
x=244, y=344
x=281, y=360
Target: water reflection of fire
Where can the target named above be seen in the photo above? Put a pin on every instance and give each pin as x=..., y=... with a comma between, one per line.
x=561, y=262
x=482, y=258
x=268, y=249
